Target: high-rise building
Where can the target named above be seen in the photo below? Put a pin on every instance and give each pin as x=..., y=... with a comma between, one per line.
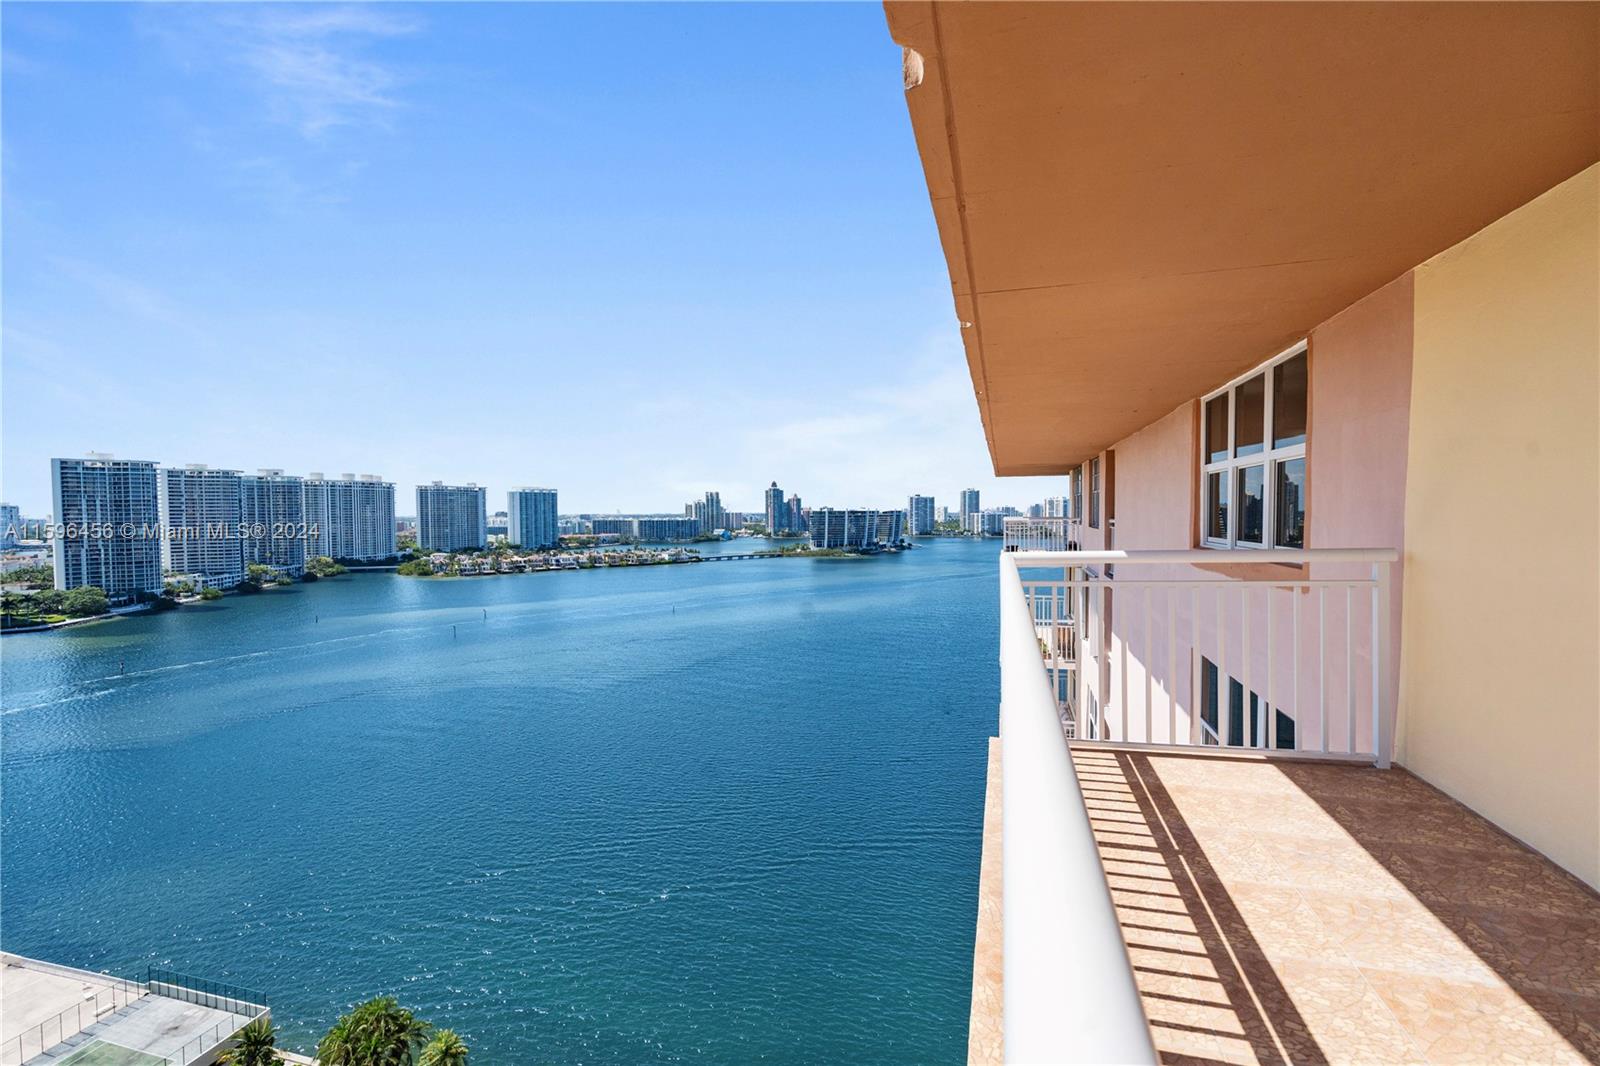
x=200, y=516
x=797, y=514
x=451, y=517
x=777, y=510
x=856, y=528
x=1055, y=507
x=110, y=513
x=10, y=525
x=969, y=505
x=272, y=516
x=709, y=513
x=351, y=517
x=919, y=516
x=533, y=519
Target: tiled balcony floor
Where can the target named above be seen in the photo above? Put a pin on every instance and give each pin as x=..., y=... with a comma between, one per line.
x=1318, y=912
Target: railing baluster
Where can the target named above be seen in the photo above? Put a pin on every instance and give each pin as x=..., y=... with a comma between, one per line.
x=1149, y=658
x=1172, y=666
x=1246, y=718
x=1322, y=664
x=1349, y=671
x=1294, y=663
x=1267, y=706
x=1102, y=659
x=1194, y=665
x=1220, y=696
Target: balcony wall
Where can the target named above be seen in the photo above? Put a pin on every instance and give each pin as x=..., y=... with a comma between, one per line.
x=1501, y=693
x=1479, y=370
x=1360, y=367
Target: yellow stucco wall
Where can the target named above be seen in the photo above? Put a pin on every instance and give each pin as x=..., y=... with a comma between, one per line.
x=1500, y=667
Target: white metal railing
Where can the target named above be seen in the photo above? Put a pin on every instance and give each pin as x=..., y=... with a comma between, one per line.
x=1042, y=534
x=1069, y=994
x=1286, y=651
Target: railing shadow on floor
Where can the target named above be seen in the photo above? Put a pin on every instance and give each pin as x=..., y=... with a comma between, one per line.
x=1208, y=989
x=1535, y=925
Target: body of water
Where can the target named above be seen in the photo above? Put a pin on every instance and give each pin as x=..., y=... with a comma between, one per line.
x=718, y=813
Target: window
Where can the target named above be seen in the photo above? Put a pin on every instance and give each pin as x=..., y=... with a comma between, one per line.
x=1253, y=477
x=1242, y=731
x=1077, y=495
x=1094, y=493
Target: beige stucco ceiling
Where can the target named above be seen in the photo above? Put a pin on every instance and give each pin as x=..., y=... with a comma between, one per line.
x=1139, y=201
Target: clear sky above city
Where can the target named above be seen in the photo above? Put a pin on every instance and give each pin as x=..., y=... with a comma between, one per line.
x=632, y=252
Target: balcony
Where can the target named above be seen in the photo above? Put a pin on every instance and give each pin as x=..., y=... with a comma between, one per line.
x=1195, y=847
x=1042, y=534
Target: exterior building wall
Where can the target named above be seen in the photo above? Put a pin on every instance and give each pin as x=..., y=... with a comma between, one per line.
x=1360, y=372
x=1500, y=685
x=451, y=517
x=10, y=525
x=272, y=506
x=201, y=511
x=353, y=517
x=532, y=517
x=103, y=491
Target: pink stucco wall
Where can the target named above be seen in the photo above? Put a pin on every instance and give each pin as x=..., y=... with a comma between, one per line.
x=1360, y=372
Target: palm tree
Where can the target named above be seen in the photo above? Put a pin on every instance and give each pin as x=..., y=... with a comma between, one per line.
x=380, y=1032
x=256, y=1046
x=445, y=1049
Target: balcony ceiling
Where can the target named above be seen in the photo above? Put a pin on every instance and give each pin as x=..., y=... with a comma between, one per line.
x=1139, y=201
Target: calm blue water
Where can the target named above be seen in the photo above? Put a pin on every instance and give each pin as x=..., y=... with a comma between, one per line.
x=718, y=813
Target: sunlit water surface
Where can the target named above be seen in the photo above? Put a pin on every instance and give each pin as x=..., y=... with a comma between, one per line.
x=728, y=812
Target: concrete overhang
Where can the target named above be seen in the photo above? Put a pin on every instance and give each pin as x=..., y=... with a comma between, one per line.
x=1139, y=201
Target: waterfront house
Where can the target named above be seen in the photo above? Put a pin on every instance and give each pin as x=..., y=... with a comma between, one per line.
x=1299, y=754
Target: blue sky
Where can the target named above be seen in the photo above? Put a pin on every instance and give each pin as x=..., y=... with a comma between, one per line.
x=630, y=251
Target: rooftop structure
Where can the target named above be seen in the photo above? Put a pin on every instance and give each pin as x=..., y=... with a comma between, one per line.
x=58, y=1014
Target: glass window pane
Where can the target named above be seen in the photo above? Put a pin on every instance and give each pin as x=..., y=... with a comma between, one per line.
x=1289, y=529
x=1217, y=505
x=1208, y=699
x=1289, y=402
x=1217, y=429
x=1248, y=416
x=1252, y=505
x=1235, y=713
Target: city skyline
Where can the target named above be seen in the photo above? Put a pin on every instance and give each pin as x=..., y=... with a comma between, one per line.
x=249, y=192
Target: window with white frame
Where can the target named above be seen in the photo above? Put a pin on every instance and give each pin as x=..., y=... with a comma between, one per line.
x=1094, y=493
x=1077, y=495
x=1253, y=457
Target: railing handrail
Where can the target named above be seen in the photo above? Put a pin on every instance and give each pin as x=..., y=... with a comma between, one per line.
x=1210, y=556
x=1069, y=989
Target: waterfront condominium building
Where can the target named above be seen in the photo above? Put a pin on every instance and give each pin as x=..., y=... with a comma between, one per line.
x=109, y=514
x=1055, y=507
x=1300, y=662
x=856, y=528
x=647, y=528
x=969, y=505
x=919, y=516
x=797, y=514
x=352, y=518
x=532, y=518
x=272, y=520
x=451, y=517
x=777, y=510
x=200, y=514
x=10, y=525
x=708, y=512
x=665, y=527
